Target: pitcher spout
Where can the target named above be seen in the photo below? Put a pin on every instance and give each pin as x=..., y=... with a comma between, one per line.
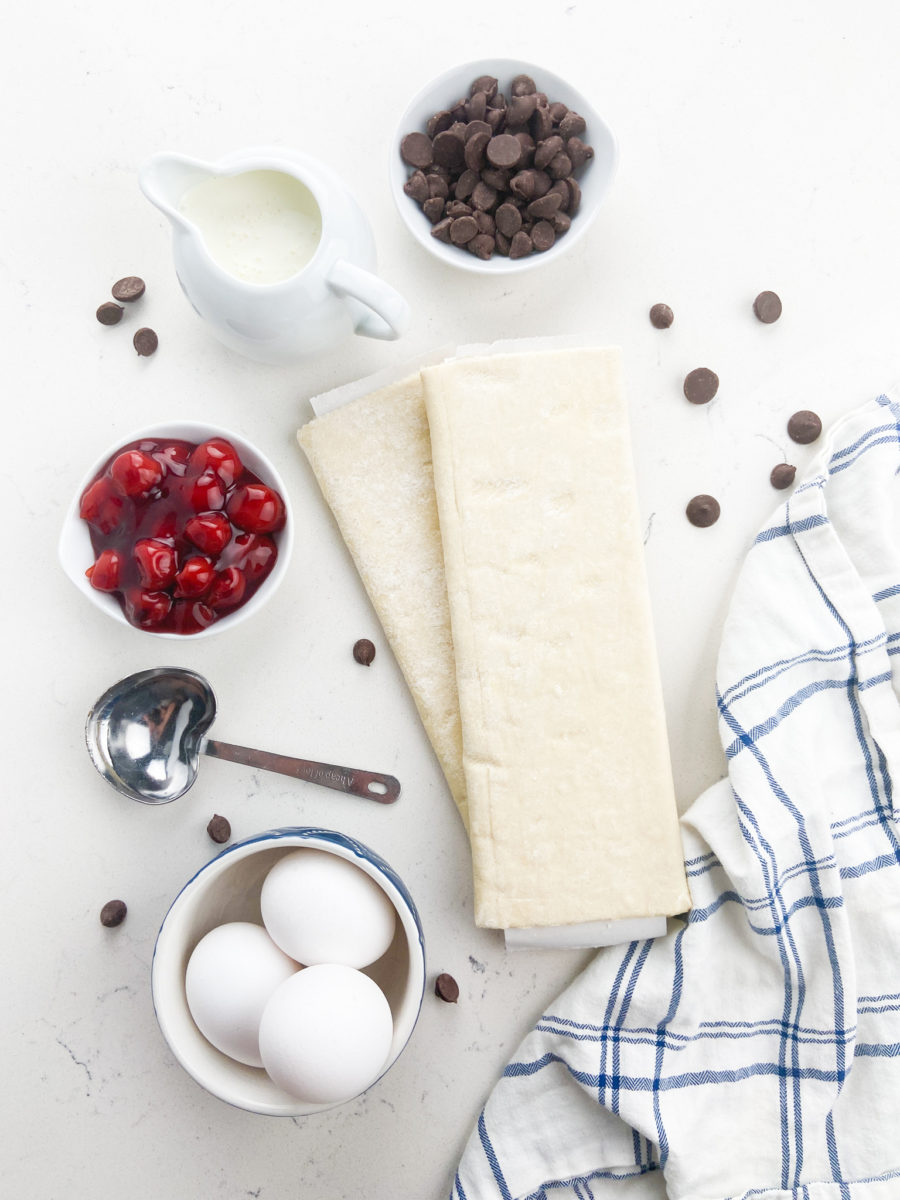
x=165, y=178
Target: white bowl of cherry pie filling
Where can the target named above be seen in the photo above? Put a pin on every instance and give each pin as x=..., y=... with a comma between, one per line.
x=180, y=530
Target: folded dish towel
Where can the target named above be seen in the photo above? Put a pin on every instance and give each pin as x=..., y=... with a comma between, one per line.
x=754, y=1050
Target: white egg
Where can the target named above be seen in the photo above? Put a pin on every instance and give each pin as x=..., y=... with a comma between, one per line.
x=320, y=908
x=230, y=977
x=326, y=1033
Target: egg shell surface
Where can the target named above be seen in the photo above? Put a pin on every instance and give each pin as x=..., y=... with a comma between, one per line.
x=320, y=908
x=231, y=975
x=326, y=1033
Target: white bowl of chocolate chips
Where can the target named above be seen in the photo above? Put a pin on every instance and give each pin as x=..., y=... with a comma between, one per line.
x=499, y=165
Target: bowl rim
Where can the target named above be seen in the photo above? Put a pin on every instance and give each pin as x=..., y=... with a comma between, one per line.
x=498, y=265
x=74, y=534
x=298, y=837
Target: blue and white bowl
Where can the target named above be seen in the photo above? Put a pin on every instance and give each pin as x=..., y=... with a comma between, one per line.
x=228, y=889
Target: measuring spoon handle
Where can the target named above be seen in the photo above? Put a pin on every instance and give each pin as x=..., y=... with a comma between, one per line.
x=371, y=786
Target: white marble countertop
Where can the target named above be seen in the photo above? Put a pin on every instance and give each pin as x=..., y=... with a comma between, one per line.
x=758, y=150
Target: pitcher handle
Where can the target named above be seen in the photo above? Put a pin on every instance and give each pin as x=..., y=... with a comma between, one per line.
x=389, y=315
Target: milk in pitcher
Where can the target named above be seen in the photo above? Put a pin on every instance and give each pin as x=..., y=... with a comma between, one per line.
x=260, y=226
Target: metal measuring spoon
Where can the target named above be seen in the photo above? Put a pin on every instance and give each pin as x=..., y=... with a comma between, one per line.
x=146, y=733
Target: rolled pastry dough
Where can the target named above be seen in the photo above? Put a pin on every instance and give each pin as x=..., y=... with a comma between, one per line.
x=571, y=806
x=372, y=460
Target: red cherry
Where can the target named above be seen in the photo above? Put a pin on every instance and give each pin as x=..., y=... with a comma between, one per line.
x=104, y=574
x=221, y=458
x=207, y=492
x=101, y=505
x=156, y=563
x=190, y=616
x=135, y=472
x=147, y=608
x=161, y=524
x=195, y=577
x=210, y=532
x=228, y=588
x=256, y=508
x=255, y=554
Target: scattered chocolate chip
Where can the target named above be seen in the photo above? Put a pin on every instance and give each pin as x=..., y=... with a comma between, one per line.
x=804, y=427
x=219, y=829
x=661, y=316
x=700, y=385
x=446, y=988
x=782, y=476
x=145, y=342
x=703, y=511
x=132, y=287
x=767, y=307
x=109, y=313
x=113, y=913
x=364, y=652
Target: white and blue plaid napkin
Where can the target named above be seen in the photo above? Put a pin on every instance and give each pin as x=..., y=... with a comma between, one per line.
x=755, y=1050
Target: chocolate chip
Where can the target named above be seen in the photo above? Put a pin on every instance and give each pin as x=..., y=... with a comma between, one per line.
x=482, y=245
x=441, y=231
x=701, y=385
x=578, y=152
x=446, y=988
x=416, y=187
x=522, y=185
x=132, y=287
x=522, y=85
x=463, y=230
x=496, y=178
x=804, y=427
x=458, y=208
x=521, y=245
x=504, y=150
x=465, y=185
x=541, y=124
x=433, y=208
x=767, y=307
x=560, y=167
x=561, y=222
x=487, y=84
x=520, y=109
x=416, y=149
x=545, y=206
x=449, y=150
x=145, y=342
x=219, y=828
x=475, y=148
x=575, y=192
x=547, y=150
x=484, y=221
x=484, y=196
x=782, y=476
x=109, y=313
x=438, y=123
x=113, y=913
x=572, y=125
x=509, y=219
x=703, y=511
x=661, y=316
x=477, y=107
x=437, y=186
x=474, y=127
x=557, y=111
x=364, y=652
x=543, y=235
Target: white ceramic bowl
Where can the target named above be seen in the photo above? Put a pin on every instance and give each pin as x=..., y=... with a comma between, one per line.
x=594, y=178
x=76, y=554
x=227, y=889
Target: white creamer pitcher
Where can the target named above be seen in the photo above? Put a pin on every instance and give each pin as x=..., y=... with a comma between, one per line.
x=273, y=252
